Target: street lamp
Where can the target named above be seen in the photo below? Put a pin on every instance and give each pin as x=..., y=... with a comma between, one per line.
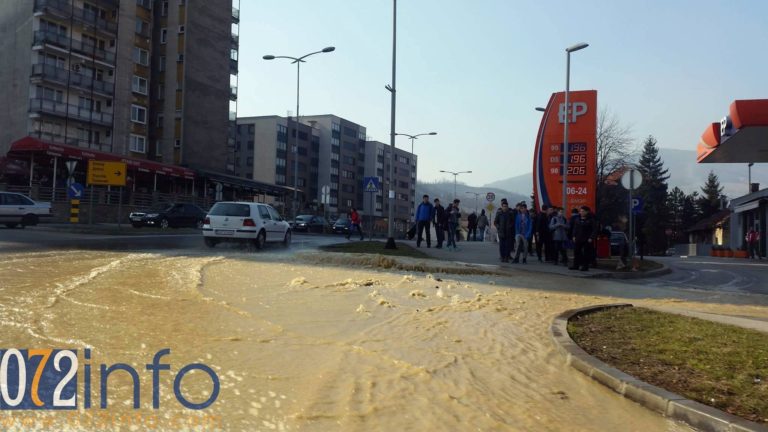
x=393, y=99
x=568, y=51
x=298, y=62
x=413, y=137
x=455, y=174
x=541, y=109
x=476, y=194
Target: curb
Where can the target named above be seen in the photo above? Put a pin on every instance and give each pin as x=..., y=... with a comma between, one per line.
x=697, y=415
x=664, y=270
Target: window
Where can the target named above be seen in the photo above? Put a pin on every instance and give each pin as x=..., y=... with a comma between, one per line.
x=163, y=35
x=180, y=58
x=280, y=162
x=138, y=114
x=51, y=59
x=138, y=144
x=348, y=131
x=50, y=94
x=161, y=64
x=144, y=3
x=53, y=28
x=160, y=91
x=160, y=120
x=280, y=179
x=181, y=29
x=250, y=145
x=141, y=56
x=139, y=85
x=177, y=143
x=142, y=27
x=164, y=9
x=92, y=12
x=349, y=160
x=249, y=161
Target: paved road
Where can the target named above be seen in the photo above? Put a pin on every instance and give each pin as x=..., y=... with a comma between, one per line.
x=715, y=274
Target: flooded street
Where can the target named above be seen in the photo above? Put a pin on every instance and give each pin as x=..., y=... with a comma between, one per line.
x=301, y=346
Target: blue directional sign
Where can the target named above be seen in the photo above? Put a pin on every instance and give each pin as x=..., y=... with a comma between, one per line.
x=371, y=184
x=637, y=205
x=75, y=191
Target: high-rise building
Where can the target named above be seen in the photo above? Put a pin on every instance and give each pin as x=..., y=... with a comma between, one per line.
x=142, y=79
x=377, y=160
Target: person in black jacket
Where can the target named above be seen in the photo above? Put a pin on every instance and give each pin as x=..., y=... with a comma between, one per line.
x=583, y=239
x=440, y=220
x=505, y=227
x=542, y=233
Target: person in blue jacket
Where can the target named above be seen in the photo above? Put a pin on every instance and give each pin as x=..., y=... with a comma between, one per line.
x=523, y=232
x=424, y=214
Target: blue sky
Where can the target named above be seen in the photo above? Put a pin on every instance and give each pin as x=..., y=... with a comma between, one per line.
x=474, y=70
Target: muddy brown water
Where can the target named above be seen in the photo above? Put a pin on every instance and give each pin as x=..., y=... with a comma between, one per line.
x=303, y=346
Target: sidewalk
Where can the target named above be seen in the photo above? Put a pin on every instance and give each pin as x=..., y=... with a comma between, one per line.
x=487, y=253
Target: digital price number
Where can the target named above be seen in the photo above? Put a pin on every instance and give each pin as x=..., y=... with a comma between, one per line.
x=577, y=190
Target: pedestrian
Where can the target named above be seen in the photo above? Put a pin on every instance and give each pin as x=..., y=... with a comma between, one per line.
x=583, y=239
x=440, y=221
x=505, y=227
x=482, y=224
x=452, y=218
x=558, y=226
x=472, y=226
x=457, y=228
x=423, y=216
x=542, y=232
x=753, y=243
x=354, y=220
x=523, y=233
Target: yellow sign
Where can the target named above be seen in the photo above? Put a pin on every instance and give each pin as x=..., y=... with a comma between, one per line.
x=106, y=173
x=490, y=207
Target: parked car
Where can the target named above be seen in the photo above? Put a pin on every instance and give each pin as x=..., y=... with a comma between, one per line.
x=169, y=216
x=20, y=210
x=309, y=223
x=254, y=223
x=341, y=226
x=619, y=242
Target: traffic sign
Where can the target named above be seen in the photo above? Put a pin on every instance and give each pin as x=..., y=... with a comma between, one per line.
x=106, y=173
x=632, y=179
x=75, y=191
x=371, y=184
x=490, y=197
x=637, y=205
x=490, y=207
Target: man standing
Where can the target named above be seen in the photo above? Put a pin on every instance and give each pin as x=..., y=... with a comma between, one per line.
x=523, y=232
x=505, y=226
x=440, y=222
x=354, y=219
x=559, y=229
x=753, y=243
x=472, y=227
x=543, y=237
x=423, y=216
x=482, y=224
x=583, y=234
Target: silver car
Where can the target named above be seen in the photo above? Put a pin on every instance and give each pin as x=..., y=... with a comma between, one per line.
x=249, y=222
x=19, y=210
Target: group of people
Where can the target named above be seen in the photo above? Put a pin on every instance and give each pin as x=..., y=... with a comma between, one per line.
x=446, y=221
x=551, y=232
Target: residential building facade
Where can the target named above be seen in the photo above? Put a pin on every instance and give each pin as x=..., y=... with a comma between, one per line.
x=377, y=162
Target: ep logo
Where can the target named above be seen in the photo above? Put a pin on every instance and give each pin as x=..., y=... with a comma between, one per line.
x=577, y=109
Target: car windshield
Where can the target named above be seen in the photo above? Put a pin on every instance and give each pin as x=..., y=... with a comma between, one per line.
x=617, y=236
x=230, y=209
x=304, y=218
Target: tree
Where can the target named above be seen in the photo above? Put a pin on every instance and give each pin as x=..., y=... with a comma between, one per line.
x=712, y=196
x=653, y=190
x=614, y=152
x=683, y=212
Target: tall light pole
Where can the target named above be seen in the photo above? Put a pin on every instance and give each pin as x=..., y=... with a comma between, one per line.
x=476, y=194
x=298, y=62
x=566, y=117
x=455, y=174
x=391, y=211
x=414, y=137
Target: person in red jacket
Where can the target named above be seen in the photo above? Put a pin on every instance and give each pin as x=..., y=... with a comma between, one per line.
x=354, y=219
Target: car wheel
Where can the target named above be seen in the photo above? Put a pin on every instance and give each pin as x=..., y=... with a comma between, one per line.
x=261, y=239
x=29, y=220
x=287, y=239
x=164, y=223
x=11, y=225
x=210, y=242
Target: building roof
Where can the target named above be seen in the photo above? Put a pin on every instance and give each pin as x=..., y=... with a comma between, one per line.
x=708, y=224
x=740, y=137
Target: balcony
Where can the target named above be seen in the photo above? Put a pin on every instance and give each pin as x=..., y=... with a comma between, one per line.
x=232, y=67
x=47, y=106
x=235, y=15
x=232, y=93
x=67, y=43
x=235, y=39
x=63, y=9
x=64, y=77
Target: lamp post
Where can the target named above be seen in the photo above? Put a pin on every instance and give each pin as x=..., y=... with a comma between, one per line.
x=566, y=117
x=298, y=62
x=455, y=174
x=476, y=194
x=414, y=137
x=391, y=88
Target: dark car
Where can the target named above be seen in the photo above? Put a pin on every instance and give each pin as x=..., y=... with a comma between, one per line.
x=619, y=243
x=169, y=216
x=309, y=223
x=341, y=226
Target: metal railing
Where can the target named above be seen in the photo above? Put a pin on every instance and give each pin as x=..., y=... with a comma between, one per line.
x=81, y=47
x=72, y=111
x=52, y=73
x=64, y=9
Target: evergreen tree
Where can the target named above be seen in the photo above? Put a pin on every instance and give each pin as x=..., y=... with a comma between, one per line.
x=682, y=212
x=712, y=196
x=655, y=217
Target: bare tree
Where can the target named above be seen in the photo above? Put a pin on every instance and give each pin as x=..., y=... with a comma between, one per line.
x=615, y=150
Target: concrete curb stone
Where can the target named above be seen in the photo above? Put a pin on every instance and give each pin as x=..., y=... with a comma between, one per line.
x=664, y=270
x=698, y=415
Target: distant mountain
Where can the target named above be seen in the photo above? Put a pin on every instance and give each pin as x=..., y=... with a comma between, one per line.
x=684, y=173
x=444, y=191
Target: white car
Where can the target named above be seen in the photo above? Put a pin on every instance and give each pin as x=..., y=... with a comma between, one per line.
x=18, y=209
x=250, y=222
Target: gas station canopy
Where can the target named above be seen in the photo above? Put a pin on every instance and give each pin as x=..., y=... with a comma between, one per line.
x=741, y=137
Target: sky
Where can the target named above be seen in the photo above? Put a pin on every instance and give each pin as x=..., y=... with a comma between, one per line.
x=473, y=71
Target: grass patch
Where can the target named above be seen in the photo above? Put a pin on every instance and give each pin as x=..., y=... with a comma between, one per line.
x=374, y=247
x=611, y=263
x=716, y=364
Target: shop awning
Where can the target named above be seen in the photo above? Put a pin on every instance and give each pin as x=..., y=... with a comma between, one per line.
x=747, y=206
x=741, y=137
x=33, y=145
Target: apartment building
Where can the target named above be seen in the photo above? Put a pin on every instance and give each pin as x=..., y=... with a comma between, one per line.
x=377, y=162
x=151, y=80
